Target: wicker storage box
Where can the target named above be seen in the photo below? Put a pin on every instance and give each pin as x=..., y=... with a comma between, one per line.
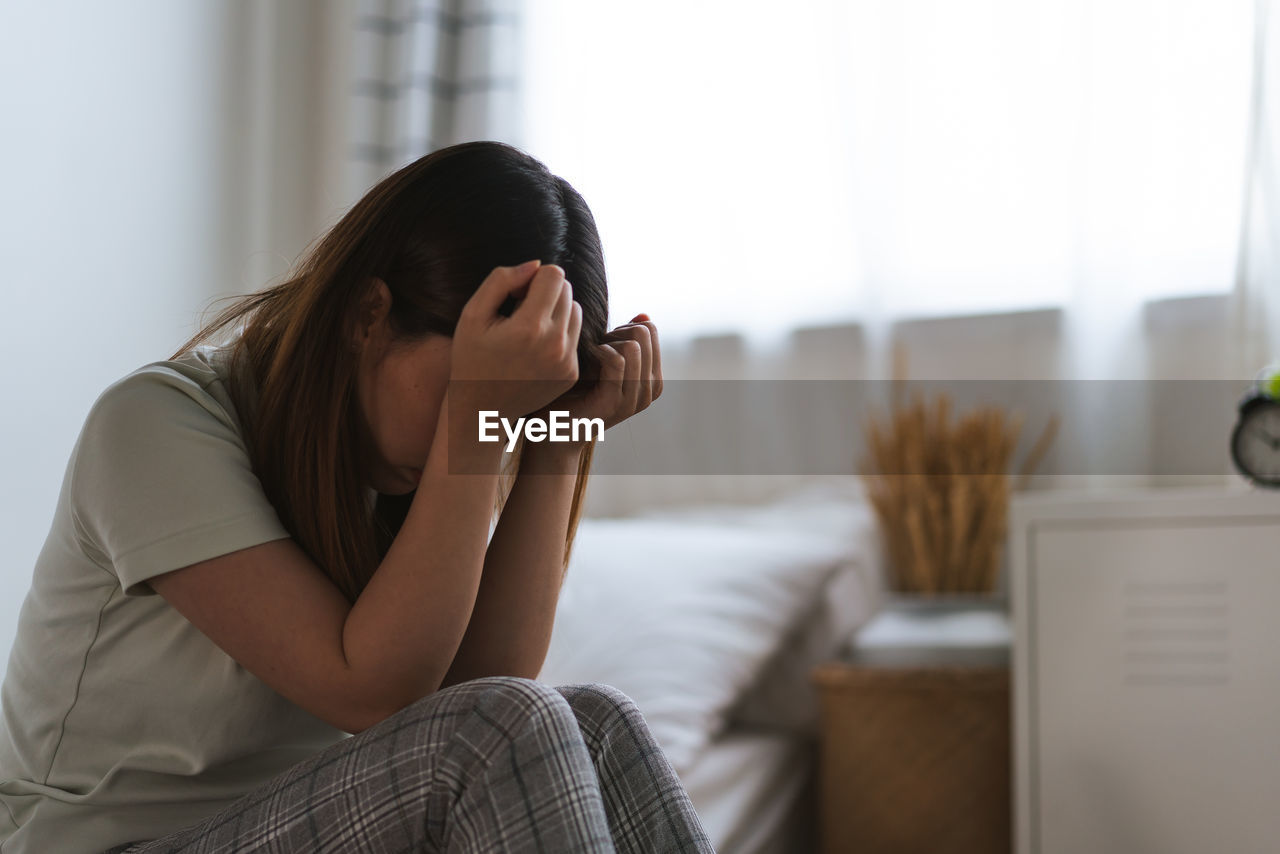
x=914, y=760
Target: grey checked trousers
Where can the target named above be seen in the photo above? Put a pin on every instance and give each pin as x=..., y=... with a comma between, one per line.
x=495, y=764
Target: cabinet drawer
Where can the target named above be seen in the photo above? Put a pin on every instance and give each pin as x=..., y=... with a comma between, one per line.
x=1146, y=675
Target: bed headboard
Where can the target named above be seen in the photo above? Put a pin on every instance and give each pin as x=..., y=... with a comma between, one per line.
x=740, y=422
x=744, y=422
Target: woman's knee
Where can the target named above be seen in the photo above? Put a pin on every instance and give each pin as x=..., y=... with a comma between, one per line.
x=516, y=690
x=464, y=728
x=505, y=701
x=528, y=694
x=599, y=705
x=473, y=734
x=485, y=714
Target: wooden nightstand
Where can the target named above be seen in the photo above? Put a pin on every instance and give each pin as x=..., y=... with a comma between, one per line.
x=914, y=759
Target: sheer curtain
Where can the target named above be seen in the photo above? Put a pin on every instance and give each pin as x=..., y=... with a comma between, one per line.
x=428, y=75
x=325, y=97
x=1012, y=189
x=1256, y=307
x=756, y=168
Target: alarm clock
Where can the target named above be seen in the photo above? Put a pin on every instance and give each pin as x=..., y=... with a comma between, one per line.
x=1255, y=441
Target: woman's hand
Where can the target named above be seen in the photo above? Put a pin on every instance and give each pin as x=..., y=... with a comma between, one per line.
x=630, y=376
x=517, y=364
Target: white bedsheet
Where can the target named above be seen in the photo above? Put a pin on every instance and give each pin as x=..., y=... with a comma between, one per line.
x=751, y=788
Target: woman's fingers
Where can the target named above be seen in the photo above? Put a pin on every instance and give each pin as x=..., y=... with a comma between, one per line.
x=530, y=354
x=541, y=324
x=608, y=391
x=657, y=363
x=575, y=324
x=625, y=373
x=613, y=364
x=634, y=355
x=655, y=368
x=544, y=291
x=496, y=287
x=563, y=306
x=649, y=378
x=630, y=376
x=644, y=376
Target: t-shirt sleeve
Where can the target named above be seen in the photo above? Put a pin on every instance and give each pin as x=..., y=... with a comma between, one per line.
x=161, y=479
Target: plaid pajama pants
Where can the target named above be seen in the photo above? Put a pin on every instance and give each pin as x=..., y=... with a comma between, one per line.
x=499, y=763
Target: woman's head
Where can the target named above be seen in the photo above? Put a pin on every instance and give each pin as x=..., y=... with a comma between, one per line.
x=425, y=239
x=436, y=228
x=415, y=249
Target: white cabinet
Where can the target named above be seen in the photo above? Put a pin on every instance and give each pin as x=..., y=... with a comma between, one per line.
x=1146, y=672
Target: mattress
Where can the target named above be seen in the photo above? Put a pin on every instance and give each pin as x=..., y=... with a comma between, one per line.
x=755, y=793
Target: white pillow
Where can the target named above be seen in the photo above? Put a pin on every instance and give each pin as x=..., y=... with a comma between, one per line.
x=783, y=696
x=682, y=617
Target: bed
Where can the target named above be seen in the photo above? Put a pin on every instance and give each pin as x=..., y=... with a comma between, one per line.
x=710, y=618
x=755, y=791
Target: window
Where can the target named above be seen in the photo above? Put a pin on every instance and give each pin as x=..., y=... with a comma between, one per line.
x=758, y=166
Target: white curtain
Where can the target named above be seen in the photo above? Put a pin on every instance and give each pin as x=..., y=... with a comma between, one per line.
x=429, y=75
x=325, y=97
x=756, y=168
x=282, y=121
x=1256, y=307
x=1013, y=189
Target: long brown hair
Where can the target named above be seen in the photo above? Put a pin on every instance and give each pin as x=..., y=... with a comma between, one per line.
x=432, y=231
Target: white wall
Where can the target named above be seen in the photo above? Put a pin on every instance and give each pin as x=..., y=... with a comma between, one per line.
x=137, y=160
x=108, y=240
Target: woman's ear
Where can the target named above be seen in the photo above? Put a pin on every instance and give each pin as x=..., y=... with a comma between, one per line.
x=371, y=314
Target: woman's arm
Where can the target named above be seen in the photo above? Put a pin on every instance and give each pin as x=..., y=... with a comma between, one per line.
x=273, y=610
x=410, y=618
x=510, y=627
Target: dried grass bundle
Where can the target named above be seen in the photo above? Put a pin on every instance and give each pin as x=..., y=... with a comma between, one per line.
x=941, y=491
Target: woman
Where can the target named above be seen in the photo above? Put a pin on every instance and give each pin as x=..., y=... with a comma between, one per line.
x=264, y=546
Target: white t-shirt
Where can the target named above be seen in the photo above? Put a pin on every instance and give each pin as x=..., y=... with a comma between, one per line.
x=119, y=720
